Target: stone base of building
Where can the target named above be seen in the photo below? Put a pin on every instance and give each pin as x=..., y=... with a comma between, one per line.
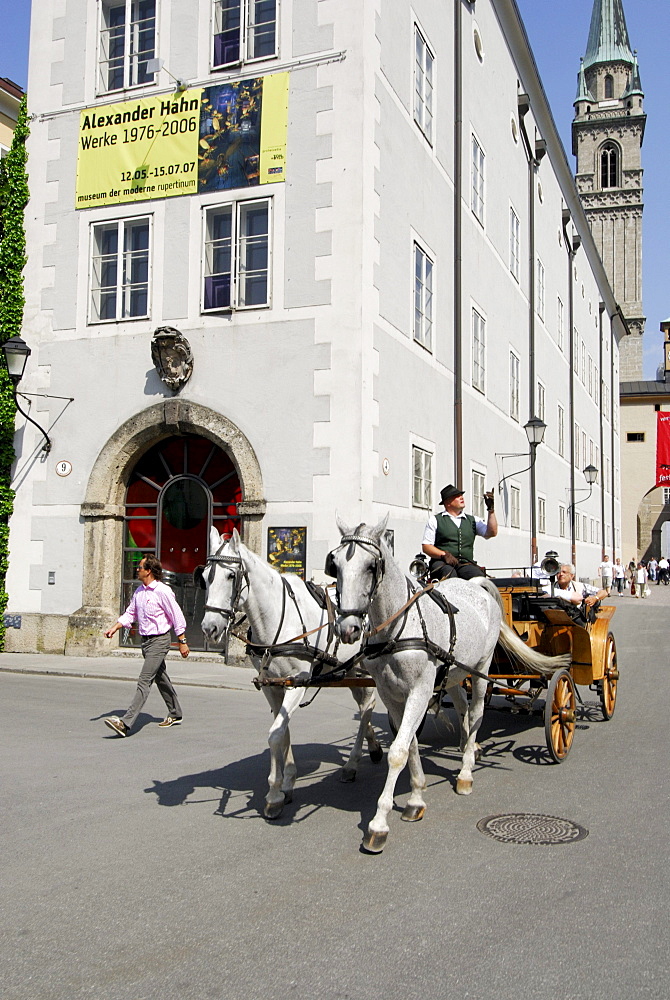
x=37, y=633
x=85, y=632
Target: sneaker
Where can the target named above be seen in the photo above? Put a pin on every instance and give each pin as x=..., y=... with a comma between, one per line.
x=117, y=725
x=169, y=721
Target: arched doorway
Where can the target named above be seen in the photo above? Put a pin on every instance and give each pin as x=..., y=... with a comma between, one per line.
x=176, y=492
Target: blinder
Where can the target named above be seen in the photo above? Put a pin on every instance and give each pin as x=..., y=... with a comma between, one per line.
x=199, y=577
x=329, y=568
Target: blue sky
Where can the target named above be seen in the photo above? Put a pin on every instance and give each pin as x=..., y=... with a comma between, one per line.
x=558, y=32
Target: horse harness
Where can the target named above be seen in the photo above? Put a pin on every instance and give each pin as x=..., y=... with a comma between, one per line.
x=267, y=651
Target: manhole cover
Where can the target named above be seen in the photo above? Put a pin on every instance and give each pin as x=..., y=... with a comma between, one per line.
x=531, y=828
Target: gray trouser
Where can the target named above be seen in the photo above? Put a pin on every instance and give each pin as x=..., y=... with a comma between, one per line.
x=154, y=649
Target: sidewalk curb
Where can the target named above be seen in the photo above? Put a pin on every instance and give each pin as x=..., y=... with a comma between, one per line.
x=33, y=672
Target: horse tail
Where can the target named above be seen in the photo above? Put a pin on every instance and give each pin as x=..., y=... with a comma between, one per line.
x=546, y=665
x=512, y=644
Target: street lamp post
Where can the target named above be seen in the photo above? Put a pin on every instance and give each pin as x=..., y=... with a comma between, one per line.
x=534, y=429
x=16, y=353
x=590, y=474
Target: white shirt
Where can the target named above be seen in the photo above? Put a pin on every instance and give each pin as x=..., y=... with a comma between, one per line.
x=431, y=526
x=574, y=587
x=663, y=563
x=606, y=569
x=619, y=571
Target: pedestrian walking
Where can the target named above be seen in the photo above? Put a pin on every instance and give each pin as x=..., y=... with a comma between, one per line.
x=641, y=580
x=606, y=571
x=154, y=607
x=652, y=568
x=662, y=573
x=619, y=577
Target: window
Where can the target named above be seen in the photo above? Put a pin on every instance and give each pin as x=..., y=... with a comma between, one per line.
x=237, y=256
x=514, y=382
x=577, y=463
x=423, y=85
x=561, y=431
x=575, y=351
x=244, y=31
x=583, y=366
x=477, y=203
x=423, y=298
x=577, y=524
x=120, y=270
x=666, y=496
x=585, y=527
x=592, y=453
x=422, y=488
x=593, y=529
x=539, y=304
x=541, y=516
x=590, y=383
x=514, y=244
x=609, y=165
x=127, y=42
x=515, y=507
x=541, y=397
x=478, y=350
x=635, y=436
x=559, y=324
x=561, y=521
x=584, y=453
x=478, y=489
x=609, y=87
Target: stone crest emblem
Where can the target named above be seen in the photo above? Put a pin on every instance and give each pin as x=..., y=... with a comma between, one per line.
x=172, y=357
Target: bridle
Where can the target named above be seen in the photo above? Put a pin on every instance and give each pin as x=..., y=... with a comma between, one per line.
x=239, y=580
x=379, y=569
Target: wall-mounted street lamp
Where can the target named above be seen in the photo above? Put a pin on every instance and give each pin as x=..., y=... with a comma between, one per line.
x=16, y=353
x=535, y=430
x=590, y=474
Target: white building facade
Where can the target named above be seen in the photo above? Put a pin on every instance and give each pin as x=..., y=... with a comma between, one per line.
x=379, y=316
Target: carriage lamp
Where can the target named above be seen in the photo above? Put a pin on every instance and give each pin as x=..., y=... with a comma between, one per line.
x=16, y=353
x=590, y=474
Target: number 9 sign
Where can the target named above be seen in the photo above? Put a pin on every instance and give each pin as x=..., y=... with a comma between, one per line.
x=63, y=468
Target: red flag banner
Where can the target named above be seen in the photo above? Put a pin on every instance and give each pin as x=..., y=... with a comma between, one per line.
x=663, y=449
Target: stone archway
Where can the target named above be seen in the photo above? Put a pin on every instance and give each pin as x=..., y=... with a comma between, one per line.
x=103, y=508
x=652, y=515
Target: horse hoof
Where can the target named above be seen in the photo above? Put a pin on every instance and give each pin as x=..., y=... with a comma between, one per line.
x=463, y=786
x=376, y=755
x=412, y=814
x=273, y=810
x=347, y=774
x=374, y=843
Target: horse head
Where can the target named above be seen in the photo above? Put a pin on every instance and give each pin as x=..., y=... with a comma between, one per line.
x=358, y=565
x=223, y=579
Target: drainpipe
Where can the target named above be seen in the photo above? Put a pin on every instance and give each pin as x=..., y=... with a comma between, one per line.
x=534, y=154
x=458, y=244
x=572, y=245
x=601, y=310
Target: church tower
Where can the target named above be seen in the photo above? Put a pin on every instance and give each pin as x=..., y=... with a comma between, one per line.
x=607, y=134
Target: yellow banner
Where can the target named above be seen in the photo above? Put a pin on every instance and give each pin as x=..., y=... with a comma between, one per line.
x=204, y=139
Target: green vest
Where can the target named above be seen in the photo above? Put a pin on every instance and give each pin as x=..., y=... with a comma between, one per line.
x=459, y=541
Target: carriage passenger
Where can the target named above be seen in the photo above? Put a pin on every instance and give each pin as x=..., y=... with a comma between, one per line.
x=449, y=537
x=575, y=592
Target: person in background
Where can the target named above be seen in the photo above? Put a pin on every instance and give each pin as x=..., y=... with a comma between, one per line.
x=606, y=573
x=640, y=580
x=619, y=577
x=662, y=573
x=154, y=607
x=652, y=568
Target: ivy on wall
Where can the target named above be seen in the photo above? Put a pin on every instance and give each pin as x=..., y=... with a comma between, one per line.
x=13, y=200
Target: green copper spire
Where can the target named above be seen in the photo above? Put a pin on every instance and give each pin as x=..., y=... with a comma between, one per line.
x=608, y=36
x=583, y=92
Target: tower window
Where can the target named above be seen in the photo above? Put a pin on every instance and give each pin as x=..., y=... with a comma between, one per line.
x=609, y=165
x=609, y=87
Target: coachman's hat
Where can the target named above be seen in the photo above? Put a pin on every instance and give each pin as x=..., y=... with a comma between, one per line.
x=449, y=492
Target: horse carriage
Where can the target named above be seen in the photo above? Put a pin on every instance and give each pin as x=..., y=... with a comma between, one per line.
x=415, y=645
x=547, y=624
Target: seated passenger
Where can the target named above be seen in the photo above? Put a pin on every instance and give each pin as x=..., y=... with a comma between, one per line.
x=575, y=593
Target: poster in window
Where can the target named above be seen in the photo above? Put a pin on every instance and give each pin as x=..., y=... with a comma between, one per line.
x=287, y=550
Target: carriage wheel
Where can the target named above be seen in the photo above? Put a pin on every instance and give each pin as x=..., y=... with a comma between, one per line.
x=560, y=714
x=608, y=685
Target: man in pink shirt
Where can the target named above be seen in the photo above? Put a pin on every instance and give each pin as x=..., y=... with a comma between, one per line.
x=154, y=607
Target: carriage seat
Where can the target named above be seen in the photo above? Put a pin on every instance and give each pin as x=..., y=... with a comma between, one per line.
x=525, y=582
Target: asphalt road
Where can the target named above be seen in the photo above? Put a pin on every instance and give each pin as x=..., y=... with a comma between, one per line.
x=141, y=868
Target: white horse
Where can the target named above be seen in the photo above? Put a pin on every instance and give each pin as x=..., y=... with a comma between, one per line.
x=279, y=608
x=409, y=649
